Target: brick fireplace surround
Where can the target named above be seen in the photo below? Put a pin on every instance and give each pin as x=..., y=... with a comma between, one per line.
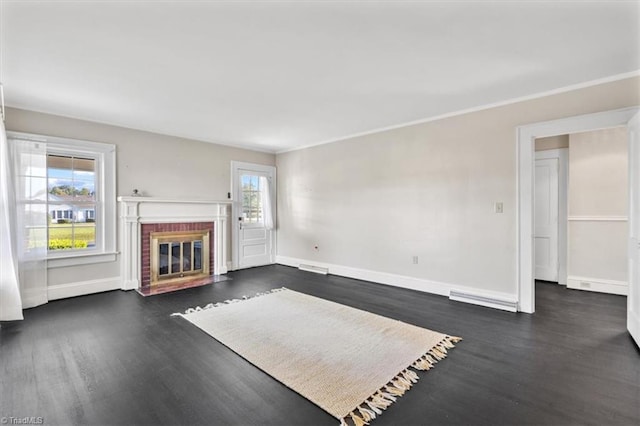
x=142, y=215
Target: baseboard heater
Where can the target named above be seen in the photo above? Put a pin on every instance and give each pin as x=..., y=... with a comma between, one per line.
x=490, y=302
x=314, y=269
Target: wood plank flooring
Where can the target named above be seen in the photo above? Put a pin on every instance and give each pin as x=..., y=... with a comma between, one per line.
x=118, y=358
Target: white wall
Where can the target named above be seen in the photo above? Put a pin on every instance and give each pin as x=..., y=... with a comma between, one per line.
x=158, y=165
x=373, y=202
x=598, y=208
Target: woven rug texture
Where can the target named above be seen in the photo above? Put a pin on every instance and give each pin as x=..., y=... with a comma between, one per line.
x=350, y=362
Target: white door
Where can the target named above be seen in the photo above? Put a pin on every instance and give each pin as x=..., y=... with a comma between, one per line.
x=633, y=297
x=253, y=214
x=546, y=220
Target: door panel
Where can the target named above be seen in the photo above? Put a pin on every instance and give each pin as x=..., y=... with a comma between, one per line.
x=253, y=240
x=546, y=220
x=254, y=234
x=253, y=250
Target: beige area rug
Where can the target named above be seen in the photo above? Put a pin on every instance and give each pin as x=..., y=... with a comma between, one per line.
x=351, y=363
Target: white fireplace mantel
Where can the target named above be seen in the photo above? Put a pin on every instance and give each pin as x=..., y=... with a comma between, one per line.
x=135, y=211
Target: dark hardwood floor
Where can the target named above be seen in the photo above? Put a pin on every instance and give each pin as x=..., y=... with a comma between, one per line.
x=118, y=358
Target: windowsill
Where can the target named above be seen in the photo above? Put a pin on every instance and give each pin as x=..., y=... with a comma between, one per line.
x=81, y=259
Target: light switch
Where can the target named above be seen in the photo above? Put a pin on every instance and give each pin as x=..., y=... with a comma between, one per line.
x=497, y=207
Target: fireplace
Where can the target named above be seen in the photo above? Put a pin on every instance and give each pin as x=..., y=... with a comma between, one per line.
x=175, y=254
x=179, y=256
x=172, y=243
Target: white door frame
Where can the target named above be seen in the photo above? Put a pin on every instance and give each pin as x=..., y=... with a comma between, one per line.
x=633, y=307
x=236, y=208
x=562, y=154
x=525, y=143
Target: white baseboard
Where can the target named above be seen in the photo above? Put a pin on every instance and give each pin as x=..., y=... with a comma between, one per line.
x=479, y=297
x=32, y=297
x=81, y=288
x=374, y=276
x=597, y=284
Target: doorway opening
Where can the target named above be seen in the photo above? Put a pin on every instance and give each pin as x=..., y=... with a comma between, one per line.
x=581, y=210
x=526, y=136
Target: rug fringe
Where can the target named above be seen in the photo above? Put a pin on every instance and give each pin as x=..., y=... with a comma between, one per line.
x=373, y=406
x=226, y=302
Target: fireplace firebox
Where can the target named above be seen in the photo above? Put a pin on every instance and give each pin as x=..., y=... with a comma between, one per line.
x=179, y=256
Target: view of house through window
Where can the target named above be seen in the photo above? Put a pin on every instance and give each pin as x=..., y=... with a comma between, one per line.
x=251, y=201
x=71, y=202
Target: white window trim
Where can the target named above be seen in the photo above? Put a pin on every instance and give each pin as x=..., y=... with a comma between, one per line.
x=105, y=250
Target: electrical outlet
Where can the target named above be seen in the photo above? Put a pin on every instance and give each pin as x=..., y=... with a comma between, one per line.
x=498, y=207
x=415, y=260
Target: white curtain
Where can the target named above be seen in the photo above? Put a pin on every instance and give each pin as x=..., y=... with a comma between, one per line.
x=30, y=178
x=10, y=301
x=265, y=195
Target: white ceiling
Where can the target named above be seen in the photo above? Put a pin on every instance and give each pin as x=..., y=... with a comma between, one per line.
x=280, y=75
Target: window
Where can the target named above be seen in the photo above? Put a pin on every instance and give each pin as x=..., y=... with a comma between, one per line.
x=71, y=190
x=73, y=183
x=251, y=199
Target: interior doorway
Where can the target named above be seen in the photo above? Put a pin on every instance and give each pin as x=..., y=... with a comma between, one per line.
x=526, y=136
x=581, y=210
